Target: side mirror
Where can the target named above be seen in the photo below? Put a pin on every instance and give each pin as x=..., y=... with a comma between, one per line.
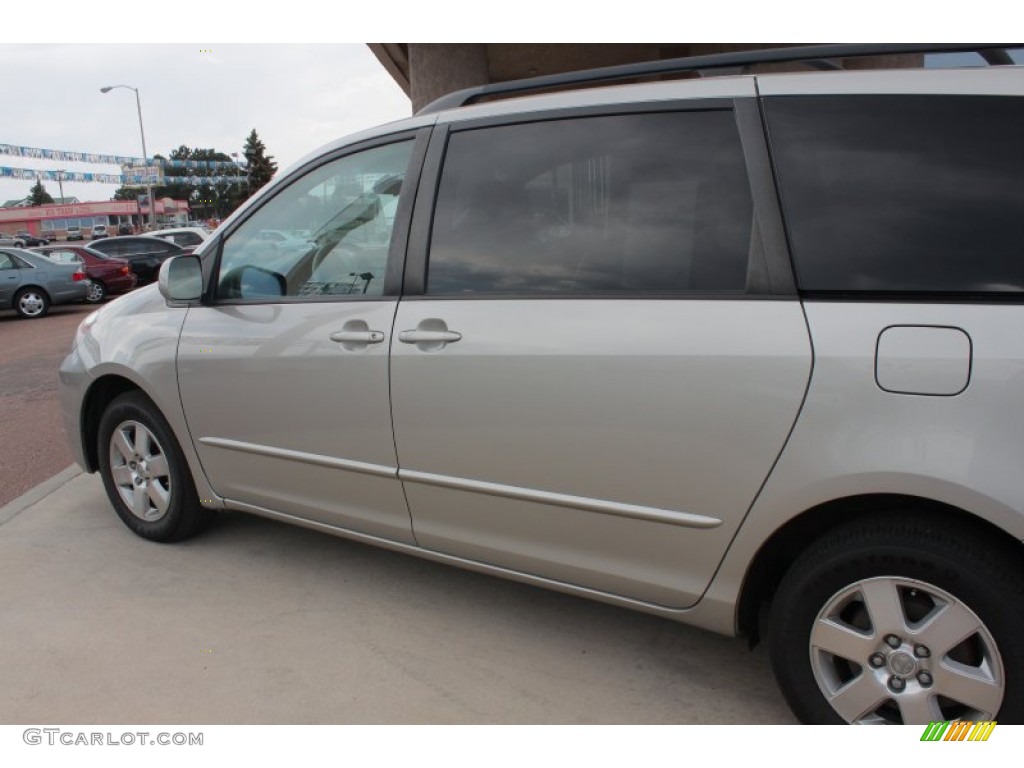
x=181, y=279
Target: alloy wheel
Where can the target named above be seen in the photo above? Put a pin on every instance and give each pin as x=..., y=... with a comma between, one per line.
x=899, y=650
x=140, y=471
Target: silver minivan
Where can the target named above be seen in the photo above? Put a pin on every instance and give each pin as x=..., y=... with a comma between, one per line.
x=743, y=352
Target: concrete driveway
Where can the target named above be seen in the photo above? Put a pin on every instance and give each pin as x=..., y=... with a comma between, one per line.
x=258, y=622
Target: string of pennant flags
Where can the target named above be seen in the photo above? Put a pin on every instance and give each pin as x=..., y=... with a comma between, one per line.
x=13, y=150
x=125, y=179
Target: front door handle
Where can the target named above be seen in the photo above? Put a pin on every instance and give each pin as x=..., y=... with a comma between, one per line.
x=363, y=337
x=430, y=335
x=356, y=335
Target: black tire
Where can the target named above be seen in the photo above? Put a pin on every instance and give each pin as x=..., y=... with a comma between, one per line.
x=183, y=516
x=97, y=292
x=32, y=302
x=935, y=575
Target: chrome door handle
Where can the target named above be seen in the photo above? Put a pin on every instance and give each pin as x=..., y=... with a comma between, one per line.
x=427, y=337
x=358, y=337
x=430, y=335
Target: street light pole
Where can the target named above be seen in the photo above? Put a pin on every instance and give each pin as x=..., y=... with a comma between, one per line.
x=60, y=183
x=145, y=155
x=238, y=166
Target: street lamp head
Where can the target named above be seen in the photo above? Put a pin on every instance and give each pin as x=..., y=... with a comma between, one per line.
x=106, y=89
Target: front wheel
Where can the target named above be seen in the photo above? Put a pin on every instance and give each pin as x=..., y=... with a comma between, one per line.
x=145, y=474
x=902, y=620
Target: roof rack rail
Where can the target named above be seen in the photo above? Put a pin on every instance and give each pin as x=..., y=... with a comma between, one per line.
x=818, y=56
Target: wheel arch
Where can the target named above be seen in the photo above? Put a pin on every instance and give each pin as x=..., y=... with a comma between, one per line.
x=101, y=393
x=785, y=545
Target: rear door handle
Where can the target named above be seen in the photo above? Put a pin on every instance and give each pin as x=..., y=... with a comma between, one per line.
x=420, y=337
x=430, y=335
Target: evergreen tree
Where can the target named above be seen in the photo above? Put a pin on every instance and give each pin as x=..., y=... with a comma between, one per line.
x=261, y=166
x=38, y=194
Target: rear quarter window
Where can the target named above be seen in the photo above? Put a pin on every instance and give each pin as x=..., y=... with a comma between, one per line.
x=902, y=194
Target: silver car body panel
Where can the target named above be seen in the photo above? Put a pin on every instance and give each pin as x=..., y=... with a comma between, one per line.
x=714, y=88
x=978, y=81
x=315, y=439
x=963, y=451
x=584, y=440
x=134, y=337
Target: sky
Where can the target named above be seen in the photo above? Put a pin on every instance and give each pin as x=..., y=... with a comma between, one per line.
x=297, y=97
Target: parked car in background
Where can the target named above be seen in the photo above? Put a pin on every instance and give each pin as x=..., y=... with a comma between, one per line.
x=107, y=275
x=74, y=233
x=186, y=237
x=30, y=283
x=124, y=228
x=145, y=253
x=736, y=351
x=30, y=240
x=99, y=231
x=12, y=241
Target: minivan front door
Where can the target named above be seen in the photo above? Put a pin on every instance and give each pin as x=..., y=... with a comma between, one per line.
x=284, y=374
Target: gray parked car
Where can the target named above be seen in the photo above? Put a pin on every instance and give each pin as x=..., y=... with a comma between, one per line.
x=30, y=283
x=14, y=241
x=744, y=352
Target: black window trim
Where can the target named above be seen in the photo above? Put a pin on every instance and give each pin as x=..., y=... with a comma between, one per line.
x=399, y=233
x=759, y=174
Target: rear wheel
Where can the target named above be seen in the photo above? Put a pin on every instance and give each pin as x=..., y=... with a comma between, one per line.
x=32, y=302
x=97, y=292
x=145, y=474
x=902, y=620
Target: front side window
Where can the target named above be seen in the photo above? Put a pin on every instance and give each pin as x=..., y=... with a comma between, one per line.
x=326, y=235
x=5, y=262
x=903, y=194
x=651, y=203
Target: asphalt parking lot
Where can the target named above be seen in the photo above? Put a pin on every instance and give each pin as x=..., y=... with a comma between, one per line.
x=33, y=445
x=258, y=622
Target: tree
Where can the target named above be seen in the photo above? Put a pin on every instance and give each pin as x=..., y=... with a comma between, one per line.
x=261, y=167
x=207, y=200
x=38, y=194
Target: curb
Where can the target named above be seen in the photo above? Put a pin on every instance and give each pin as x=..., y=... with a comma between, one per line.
x=32, y=496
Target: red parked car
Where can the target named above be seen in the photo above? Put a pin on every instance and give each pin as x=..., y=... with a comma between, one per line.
x=108, y=275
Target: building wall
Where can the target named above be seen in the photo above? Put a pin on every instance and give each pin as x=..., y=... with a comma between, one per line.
x=52, y=220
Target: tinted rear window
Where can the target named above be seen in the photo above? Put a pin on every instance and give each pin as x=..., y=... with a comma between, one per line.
x=902, y=193
x=652, y=203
